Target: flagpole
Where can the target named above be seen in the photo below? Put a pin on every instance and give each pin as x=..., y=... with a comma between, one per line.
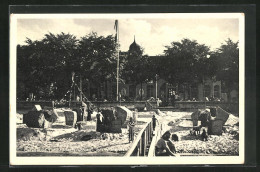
x=117, y=71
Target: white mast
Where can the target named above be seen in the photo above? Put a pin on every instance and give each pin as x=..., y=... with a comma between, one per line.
x=117, y=68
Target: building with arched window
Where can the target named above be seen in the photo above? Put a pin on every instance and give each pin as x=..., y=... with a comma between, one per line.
x=209, y=88
x=159, y=87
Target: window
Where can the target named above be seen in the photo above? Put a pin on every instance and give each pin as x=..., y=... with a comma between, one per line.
x=114, y=91
x=216, y=91
x=206, y=91
x=149, y=91
x=132, y=91
x=171, y=91
x=194, y=92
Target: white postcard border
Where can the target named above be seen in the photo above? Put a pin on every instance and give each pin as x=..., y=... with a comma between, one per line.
x=14, y=160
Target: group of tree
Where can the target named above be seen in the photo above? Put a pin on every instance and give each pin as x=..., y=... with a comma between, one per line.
x=188, y=63
x=45, y=67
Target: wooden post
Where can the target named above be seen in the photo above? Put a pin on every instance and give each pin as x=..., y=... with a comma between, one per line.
x=149, y=136
x=145, y=141
x=140, y=146
x=148, y=133
x=150, y=128
x=138, y=151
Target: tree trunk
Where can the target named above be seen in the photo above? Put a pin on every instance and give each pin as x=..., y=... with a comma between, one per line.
x=98, y=91
x=190, y=92
x=106, y=90
x=80, y=86
x=141, y=91
x=74, y=93
x=89, y=93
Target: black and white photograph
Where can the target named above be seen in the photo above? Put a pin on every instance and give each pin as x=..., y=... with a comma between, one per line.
x=116, y=89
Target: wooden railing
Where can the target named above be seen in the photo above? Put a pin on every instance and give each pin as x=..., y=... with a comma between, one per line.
x=156, y=137
x=141, y=142
x=159, y=130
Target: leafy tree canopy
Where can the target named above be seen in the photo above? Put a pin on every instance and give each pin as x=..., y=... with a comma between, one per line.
x=227, y=64
x=186, y=61
x=45, y=66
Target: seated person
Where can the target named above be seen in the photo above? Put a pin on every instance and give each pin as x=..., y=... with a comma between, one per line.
x=164, y=146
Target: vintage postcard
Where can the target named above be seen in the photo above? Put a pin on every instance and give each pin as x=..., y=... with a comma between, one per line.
x=127, y=89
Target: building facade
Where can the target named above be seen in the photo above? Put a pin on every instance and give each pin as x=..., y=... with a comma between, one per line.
x=157, y=89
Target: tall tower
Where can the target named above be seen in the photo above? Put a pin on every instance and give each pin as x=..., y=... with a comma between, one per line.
x=134, y=48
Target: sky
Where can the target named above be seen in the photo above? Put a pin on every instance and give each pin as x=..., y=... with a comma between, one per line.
x=153, y=34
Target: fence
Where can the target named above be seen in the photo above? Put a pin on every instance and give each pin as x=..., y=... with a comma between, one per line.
x=130, y=104
x=179, y=105
x=141, y=142
x=190, y=105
